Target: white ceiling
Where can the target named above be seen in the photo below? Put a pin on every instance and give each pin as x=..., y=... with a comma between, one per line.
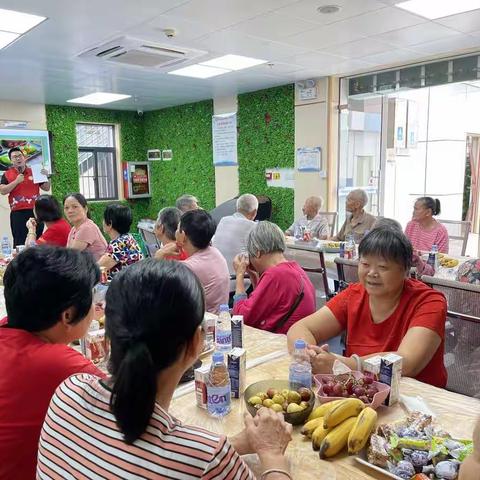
x=298, y=42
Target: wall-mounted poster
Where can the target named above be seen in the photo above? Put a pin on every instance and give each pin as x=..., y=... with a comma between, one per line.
x=35, y=146
x=309, y=159
x=224, y=131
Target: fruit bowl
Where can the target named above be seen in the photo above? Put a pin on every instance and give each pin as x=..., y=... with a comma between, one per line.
x=295, y=418
x=382, y=389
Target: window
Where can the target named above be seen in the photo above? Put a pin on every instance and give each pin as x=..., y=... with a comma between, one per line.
x=97, y=161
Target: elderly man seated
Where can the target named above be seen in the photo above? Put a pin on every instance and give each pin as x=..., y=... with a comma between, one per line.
x=312, y=221
x=194, y=234
x=232, y=231
x=165, y=228
x=186, y=203
x=358, y=221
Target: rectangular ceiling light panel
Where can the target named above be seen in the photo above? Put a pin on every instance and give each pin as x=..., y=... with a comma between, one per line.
x=233, y=62
x=99, y=98
x=6, y=38
x=18, y=22
x=433, y=9
x=199, y=71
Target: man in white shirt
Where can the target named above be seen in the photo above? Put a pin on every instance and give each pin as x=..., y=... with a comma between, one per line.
x=312, y=220
x=232, y=231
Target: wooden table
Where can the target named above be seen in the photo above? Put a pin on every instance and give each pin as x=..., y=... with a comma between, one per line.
x=456, y=413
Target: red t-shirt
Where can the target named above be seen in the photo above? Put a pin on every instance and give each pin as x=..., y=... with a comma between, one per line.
x=30, y=371
x=419, y=306
x=275, y=293
x=23, y=196
x=56, y=234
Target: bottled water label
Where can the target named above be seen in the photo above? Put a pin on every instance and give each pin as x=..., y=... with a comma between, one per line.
x=218, y=400
x=224, y=340
x=302, y=377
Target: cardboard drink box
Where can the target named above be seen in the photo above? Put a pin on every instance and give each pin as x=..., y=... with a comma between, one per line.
x=201, y=377
x=237, y=331
x=237, y=367
x=391, y=373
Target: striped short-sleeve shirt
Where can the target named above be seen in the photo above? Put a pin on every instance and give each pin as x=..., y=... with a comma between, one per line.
x=80, y=440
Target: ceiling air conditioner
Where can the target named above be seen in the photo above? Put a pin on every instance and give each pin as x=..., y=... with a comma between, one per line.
x=140, y=53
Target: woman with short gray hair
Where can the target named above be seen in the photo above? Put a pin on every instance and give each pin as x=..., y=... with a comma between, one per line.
x=282, y=290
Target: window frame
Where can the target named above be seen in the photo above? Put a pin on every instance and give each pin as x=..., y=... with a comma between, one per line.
x=94, y=151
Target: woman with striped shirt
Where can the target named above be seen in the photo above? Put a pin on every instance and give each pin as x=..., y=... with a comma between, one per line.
x=120, y=427
x=423, y=230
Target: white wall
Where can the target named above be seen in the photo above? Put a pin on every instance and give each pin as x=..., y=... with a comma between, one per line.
x=35, y=115
x=312, y=118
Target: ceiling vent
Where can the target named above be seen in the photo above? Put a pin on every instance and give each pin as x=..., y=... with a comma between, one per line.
x=141, y=53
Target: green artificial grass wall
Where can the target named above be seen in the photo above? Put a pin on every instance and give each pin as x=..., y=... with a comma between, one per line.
x=265, y=140
x=61, y=122
x=266, y=125
x=187, y=131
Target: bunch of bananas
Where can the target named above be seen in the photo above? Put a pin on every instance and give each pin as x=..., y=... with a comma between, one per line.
x=334, y=425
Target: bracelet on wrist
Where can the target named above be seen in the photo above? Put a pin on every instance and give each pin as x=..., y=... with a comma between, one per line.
x=275, y=470
x=358, y=362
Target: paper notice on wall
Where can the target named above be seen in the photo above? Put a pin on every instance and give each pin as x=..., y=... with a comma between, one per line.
x=309, y=159
x=224, y=130
x=280, y=177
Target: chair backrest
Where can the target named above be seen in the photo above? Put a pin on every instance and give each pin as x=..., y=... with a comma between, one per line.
x=146, y=232
x=347, y=270
x=458, y=231
x=331, y=219
x=462, y=334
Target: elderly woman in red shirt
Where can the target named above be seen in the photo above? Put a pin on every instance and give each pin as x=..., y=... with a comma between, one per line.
x=385, y=312
x=283, y=293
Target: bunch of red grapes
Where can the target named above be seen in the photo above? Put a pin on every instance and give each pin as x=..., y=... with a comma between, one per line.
x=347, y=386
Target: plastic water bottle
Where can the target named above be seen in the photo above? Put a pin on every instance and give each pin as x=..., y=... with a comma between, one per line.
x=300, y=367
x=6, y=248
x=433, y=257
x=350, y=247
x=218, y=387
x=223, y=330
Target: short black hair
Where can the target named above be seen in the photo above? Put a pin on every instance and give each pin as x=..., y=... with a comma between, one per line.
x=389, y=244
x=80, y=199
x=119, y=217
x=47, y=209
x=14, y=149
x=432, y=203
x=199, y=227
x=169, y=217
x=44, y=281
x=153, y=311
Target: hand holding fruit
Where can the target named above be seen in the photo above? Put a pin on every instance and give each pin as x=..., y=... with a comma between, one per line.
x=321, y=359
x=31, y=224
x=268, y=432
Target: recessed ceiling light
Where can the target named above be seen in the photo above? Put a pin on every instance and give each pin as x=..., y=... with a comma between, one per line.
x=199, y=71
x=99, y=98
x=328, y=9
x=18, y=22
x=6, y=38
x=233, y=62
x=433, y=9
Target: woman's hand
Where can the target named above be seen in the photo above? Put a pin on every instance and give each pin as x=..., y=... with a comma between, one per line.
x=321, y=359
x=31, y=224
x=240, y=264
x=168, y=250
x=267, y=432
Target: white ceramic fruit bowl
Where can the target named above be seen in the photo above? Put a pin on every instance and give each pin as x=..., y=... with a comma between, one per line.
x=378, y=398
x=296, y=418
